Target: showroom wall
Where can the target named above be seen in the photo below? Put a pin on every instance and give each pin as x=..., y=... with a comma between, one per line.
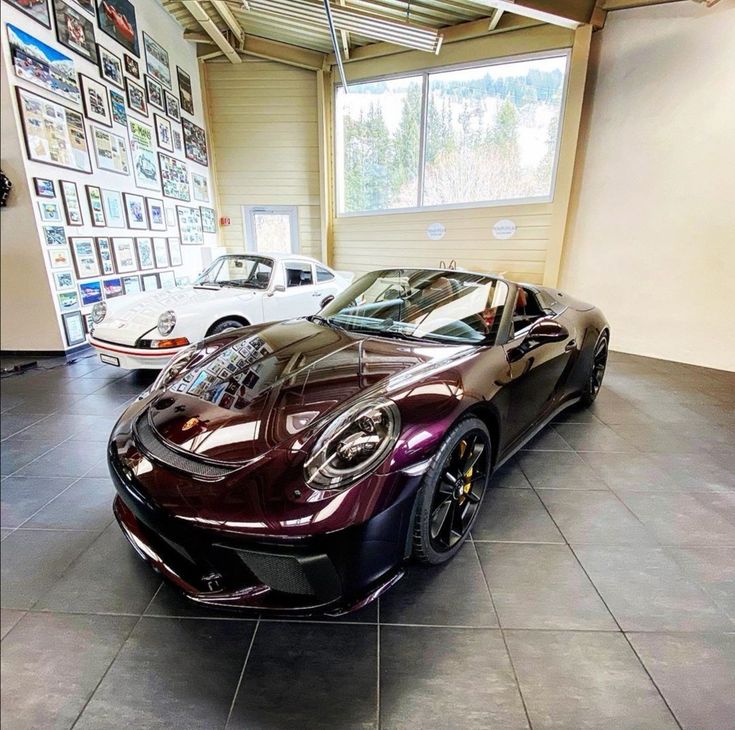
x=651, y=235
x=41, y=274
x=263, y=119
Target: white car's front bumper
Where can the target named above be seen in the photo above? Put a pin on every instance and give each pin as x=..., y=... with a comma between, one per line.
x=132, y=358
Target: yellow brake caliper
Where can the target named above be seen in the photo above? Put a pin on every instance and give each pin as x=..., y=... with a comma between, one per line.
x=467, y=476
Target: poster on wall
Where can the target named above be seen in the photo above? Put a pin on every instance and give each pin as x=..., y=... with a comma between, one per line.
x=117, y=106
x=175, y=178
x=75, y=30
x=68, y=300
x=90, y=292
x=136, y=97
x=54, y=235
x=156, y=60
x=63, y=280
x=94, y=198
x=114, y=211
x=190, y=225
x=154, y=93
x=185, y=94
x=39, y=11
x=195, y=142
x=104, y=252
x=172, y=106
x=200, y=186
x=72, y=204
x=85, y=257
x=73, y=328
x=209, y=220
x=117, y=19
x=49, y=212
x=110, y=151
x=53, y=133
x=144, y=157
x=96, y=101
x=39, y=64
x=111, y=68
x=125, y=258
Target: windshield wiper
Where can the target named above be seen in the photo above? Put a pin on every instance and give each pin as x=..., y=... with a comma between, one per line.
x=326, y=321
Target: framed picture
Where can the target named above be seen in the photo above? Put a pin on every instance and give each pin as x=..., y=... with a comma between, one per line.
x=145, y=253
x=116, y=18
x=53, y=133
x=131, y=66
x=173, y=109
x=156, y=215
x=174, y=178
x=104, y=254
x=131, y=284
x=163, y=133
x=110, y=151
x=39, y=11
x=145, y=167
x=94, y=198
x=190, y=225
x=44, y=187
x=154, y=93
x=160, y=253
x=42, y=65
x=124, y=252
x=174, y=252
x=54, y=235
x=90, y=292
x=85, y=257
x=75, y=30
x=135, y=211
x=111, y=68
x=167, y=279
x=170, y=217
x=72, y=204
x=87, y=5
x=117, y=107
x=114, y=210
x=73, y=328
x=195, y=142
x=136, y=97
x=150, y=282
x=112, y=287
x=59, y=258
x=156, y=61
x=178, y=139
x=185, y=95
x=200, y=186
x=50, y=212
x=96, y=101
x=68, y=300
x=63, y=279
x=209, y=221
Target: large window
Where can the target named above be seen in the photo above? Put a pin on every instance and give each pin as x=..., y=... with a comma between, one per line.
x=481, y=134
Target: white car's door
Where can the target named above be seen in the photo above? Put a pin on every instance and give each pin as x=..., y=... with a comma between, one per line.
x=297, y=295
x=327, y=284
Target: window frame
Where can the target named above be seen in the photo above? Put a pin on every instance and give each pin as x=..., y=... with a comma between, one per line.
x=424, y=74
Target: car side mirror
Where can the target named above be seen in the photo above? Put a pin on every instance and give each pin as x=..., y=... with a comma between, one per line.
x=277, y=288
x=326, y=301
x=541, y=332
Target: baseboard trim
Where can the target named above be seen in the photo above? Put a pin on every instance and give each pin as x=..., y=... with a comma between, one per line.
x=71, y=354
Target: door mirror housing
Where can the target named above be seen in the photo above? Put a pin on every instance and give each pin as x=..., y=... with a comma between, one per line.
x=541, y=332
x=277, y=288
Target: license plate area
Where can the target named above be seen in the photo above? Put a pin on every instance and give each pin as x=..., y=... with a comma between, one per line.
x=110, y=359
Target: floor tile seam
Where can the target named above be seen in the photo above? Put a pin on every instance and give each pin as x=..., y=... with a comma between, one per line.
x=242, y=675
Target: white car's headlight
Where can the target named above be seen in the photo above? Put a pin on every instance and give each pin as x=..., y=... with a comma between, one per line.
x=167, y=322
x=356, y=442
x=172, y=370
x=99, y=312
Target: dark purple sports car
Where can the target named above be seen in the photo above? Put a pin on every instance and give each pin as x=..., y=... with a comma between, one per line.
x=297, y=466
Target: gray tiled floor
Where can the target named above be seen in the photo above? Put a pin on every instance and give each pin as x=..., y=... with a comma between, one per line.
x=599, y=589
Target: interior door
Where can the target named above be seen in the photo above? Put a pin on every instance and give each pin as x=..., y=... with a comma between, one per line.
x=271, y=229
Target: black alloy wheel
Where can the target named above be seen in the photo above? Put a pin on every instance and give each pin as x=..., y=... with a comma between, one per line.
x=599, y=364
x=452, y=492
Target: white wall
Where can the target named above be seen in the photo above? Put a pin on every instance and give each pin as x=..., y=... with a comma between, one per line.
x=651, y=235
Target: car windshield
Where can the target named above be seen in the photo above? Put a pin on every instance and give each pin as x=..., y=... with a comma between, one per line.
x=251, y=272
x=450, y=306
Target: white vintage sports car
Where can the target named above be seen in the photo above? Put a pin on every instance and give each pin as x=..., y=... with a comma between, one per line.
x=145, y=330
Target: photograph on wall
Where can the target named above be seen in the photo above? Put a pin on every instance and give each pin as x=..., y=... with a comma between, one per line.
x=174, y=252
x=135, y=211
x=156, y=214
x=87, y=5
x=104, y=253
x=131, y=284
x=59, y=258
x=44, y=187
x=63, y=280
x=110, y=151
x=156, y=60
x=185, y=94
x=170, y=217
x=167, y=279
x=174, y=178
x=90, y=292
x=200, y=186
x=163, y=133
x=114, y=210
x=117, y=107
x=96, y=101
x=125, y=258
x=195, y=142
x=75, y=30
x=145, y=166
x=209, y=220
x=131, y=66
x=150, y=282
x=145, y=253
x=111, y=68
x=74, y=328
x=112, y=287
x=85, y=257
x=39, y=64
x=154, y=93
x=54, y=235
x=72, y=204
x=38, y=10
x=68, y=301
x=53, y=133
x=190, y=226
x=178, y=138
x=117, y=19
x=94, y=198
x=173, y=109
x=50, y=212
x=160, y=253
x=136, y=97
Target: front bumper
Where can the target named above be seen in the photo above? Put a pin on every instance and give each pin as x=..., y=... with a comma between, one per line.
x=133, y=358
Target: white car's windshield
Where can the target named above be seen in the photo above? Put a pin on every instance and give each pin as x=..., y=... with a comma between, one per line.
x=450, y=306
x=251, y=272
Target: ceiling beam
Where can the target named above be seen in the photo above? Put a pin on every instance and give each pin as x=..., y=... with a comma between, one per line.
x=497, y=15
x=536, y=11
x=211, y=29
x=227, y=15
x=345, y=37
x=625, y=4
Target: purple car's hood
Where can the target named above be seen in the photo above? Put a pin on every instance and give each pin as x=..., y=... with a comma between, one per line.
x=262, y=389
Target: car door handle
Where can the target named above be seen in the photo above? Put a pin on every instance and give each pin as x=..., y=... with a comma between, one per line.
x=571, y=345
x=316, y=294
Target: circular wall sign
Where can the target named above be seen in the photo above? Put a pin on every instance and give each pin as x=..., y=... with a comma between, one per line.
x=504, y=228
x=435, y=231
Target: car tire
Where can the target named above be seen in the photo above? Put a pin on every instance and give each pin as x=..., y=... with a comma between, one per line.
x=597, y=372
x=442, y=500
x=226, y=324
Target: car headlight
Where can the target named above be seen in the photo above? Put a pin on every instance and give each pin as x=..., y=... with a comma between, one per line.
x=167, y=322
x=357, y=441
x=173, y=369
x=99, y=312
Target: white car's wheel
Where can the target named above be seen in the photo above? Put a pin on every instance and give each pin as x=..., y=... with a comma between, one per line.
x=226, y=324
